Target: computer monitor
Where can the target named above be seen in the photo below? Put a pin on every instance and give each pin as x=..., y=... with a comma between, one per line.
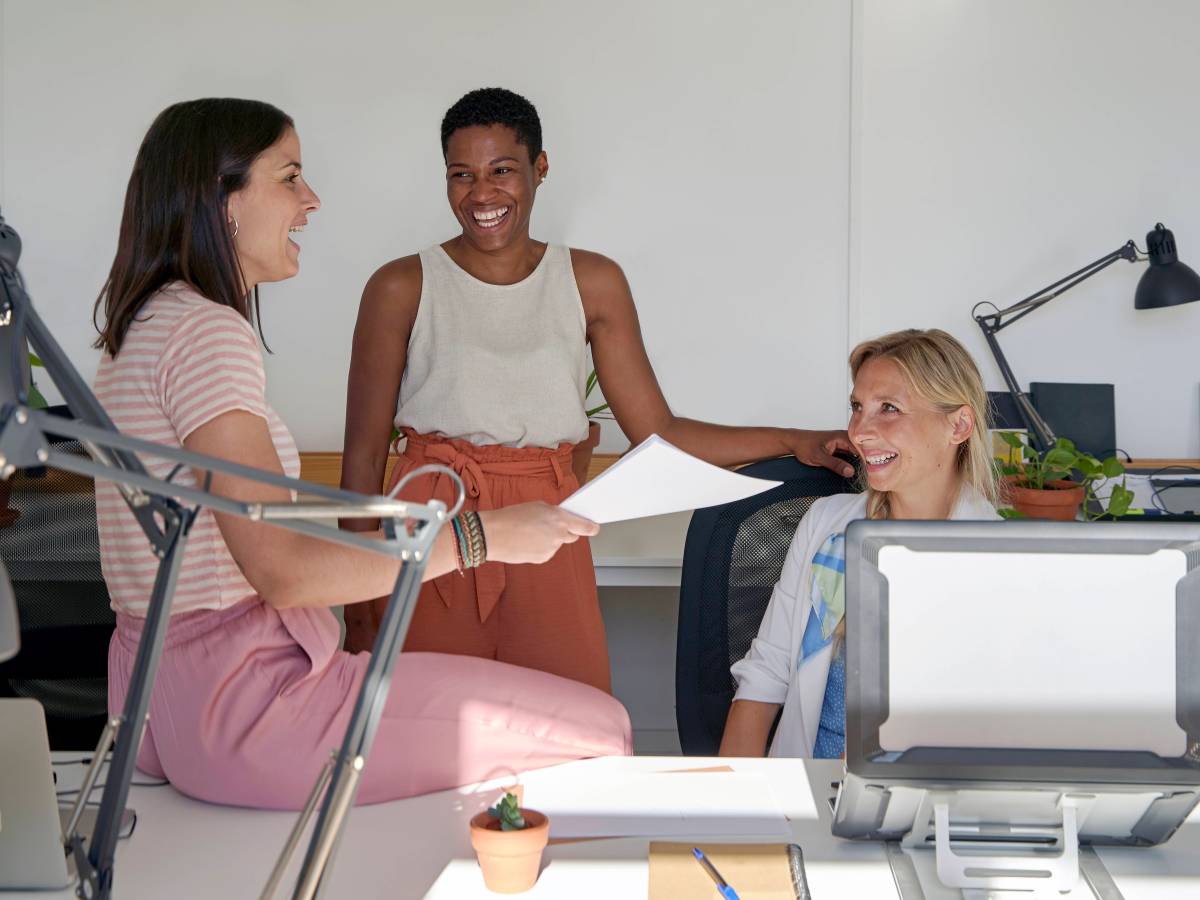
x=1026, y=655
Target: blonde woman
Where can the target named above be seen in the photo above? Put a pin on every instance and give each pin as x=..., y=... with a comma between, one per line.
x=918, y=420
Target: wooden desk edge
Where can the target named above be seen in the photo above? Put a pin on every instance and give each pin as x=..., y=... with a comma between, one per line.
x=325, y=467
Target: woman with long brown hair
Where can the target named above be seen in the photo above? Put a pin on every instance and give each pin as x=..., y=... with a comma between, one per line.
x=253, y=691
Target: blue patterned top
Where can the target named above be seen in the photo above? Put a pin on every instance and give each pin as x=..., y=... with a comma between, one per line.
x=831, y=733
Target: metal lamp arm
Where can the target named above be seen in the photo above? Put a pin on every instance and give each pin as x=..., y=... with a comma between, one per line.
x=997, y=320
x=994, y=322
x=158, y=505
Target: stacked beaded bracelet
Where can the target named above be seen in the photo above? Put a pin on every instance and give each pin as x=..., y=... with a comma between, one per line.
x=470, y=547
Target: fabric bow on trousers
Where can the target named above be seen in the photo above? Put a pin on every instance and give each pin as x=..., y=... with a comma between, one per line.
x=544, y=616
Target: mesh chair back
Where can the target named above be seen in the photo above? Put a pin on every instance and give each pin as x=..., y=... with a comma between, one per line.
x=52, y=552
x=731, y=562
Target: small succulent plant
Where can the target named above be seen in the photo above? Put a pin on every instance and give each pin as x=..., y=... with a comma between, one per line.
x=508, y=812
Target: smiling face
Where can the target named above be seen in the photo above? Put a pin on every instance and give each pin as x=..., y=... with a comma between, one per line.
x=908, y=446
x=491, y=183
x=274, y=204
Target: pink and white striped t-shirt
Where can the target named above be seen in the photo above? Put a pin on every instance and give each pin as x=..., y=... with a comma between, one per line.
x=184, y=361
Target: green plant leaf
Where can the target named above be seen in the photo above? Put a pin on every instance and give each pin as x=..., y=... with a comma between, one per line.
x=1120, y=500
x=591, y=384
x=1112, y=467
x=1061, y=458
x=1064, y=444
x=36, y=400
x=595, y=409
x=1006, y=513
x=1012, y=438
x=34, y=361
x=1088, y=468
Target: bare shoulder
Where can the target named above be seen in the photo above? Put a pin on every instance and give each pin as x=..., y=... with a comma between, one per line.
x=602, y=288
x=595, y=270
x=393, y=292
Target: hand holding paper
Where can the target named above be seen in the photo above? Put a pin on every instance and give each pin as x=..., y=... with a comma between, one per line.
x=655, y=478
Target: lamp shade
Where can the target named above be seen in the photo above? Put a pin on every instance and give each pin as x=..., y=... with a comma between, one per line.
x=1167, y=282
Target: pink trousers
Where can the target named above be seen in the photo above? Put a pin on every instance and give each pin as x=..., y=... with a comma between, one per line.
x=249, y=701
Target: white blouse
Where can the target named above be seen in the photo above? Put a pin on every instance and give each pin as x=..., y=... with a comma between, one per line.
x=769, y=673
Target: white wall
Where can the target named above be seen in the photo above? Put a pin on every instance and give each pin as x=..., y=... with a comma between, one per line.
x=779, y=179
x=1001, y=146
x=704, y=147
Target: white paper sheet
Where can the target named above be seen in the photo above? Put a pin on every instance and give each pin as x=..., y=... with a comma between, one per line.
x=655, y=478
x=664, y=804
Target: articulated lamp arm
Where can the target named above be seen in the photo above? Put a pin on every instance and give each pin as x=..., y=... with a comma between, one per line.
x=992, y=323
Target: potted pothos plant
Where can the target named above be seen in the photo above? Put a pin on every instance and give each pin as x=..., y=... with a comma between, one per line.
x=509, y=840
x=582, y=457
x=1057, y=482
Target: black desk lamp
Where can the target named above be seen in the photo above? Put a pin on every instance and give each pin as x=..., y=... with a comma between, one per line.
x=1167, y=282
x=165, y=510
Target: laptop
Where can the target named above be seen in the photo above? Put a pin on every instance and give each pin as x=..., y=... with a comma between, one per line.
x=31, y=848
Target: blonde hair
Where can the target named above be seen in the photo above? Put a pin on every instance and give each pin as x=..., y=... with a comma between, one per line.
x=940, y=371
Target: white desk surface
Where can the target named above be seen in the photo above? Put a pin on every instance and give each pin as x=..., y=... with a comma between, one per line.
x=641, y=552
x=420, y=847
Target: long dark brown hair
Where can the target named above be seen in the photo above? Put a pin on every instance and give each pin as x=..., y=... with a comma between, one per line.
x=174, y=227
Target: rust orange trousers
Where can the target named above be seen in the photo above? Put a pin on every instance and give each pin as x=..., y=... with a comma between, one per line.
x=545, y=616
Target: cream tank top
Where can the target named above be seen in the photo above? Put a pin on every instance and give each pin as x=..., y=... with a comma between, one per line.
x=497, y=363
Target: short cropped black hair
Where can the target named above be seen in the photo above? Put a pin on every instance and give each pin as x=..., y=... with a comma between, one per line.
x=495, y=106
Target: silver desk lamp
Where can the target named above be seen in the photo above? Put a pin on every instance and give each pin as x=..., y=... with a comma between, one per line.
x=161, y=507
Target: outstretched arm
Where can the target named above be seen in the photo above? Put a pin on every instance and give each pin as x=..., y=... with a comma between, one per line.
x=290, y=569
x=637, y=401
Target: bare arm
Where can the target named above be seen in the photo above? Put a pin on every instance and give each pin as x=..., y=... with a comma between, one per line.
x=385, y=320
x=291, y=569
x=747, y=727
x=637, y=401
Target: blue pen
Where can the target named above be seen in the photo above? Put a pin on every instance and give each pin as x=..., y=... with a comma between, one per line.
x=722, y=885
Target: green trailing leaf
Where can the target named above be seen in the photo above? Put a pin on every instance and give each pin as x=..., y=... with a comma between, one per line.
x=1012, y=439
x=1009, y=513
x=508, y=812
x=1112, y=467
x=34, y=361
x=1061, y=458
x=1120, y=500
x=592, y=380
x=36, y=400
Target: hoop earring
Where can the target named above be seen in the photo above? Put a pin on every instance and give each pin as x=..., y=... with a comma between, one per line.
x=234, y=220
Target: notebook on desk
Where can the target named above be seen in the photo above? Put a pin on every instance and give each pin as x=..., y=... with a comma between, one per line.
x=755, y=871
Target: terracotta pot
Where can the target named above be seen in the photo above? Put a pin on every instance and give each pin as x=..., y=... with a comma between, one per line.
x=581, y=458
x=1059, y=500
x=510, y=860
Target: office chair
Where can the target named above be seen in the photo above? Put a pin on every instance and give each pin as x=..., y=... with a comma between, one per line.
x=52, y=553
x=731, y=561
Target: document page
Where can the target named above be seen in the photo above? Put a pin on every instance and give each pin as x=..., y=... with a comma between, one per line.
x=655, y=478
x=664, y=805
